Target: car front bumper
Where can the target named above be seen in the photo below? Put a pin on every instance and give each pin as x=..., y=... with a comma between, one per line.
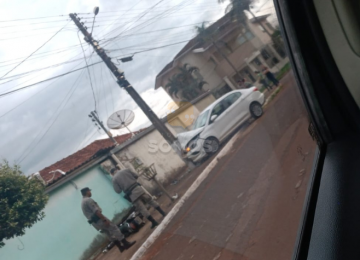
x=197, y=153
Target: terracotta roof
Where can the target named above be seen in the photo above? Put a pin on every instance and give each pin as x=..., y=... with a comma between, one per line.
x=74, y=161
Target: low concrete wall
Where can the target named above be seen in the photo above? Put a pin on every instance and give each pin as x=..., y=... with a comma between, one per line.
x=149, y=149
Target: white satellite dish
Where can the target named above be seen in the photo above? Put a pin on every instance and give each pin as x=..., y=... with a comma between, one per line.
x=121, y=119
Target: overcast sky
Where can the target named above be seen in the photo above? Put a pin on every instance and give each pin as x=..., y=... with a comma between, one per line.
x=47, y=122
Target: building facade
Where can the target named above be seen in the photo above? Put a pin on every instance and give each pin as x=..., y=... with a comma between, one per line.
x=245, y=47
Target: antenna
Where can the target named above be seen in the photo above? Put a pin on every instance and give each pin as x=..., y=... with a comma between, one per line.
x=121, y=119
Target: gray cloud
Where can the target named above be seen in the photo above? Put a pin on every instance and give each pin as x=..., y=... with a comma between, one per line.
x=22, y=128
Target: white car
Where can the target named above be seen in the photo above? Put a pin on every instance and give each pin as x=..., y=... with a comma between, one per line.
x=219, y=120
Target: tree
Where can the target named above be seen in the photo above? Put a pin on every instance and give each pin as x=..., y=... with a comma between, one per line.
x=21, y=202
x=204, y=34
x=278, y=41
x=184, y=85
x=236, y=9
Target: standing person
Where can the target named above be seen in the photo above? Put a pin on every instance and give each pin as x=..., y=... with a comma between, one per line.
x=262, y=80
x=270, y=76
x=93, y=213
x=126, y=180
x=242, y=83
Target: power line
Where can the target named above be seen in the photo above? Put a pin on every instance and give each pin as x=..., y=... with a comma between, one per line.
x=155, y=48
x=147, y=21
x=58, y=111
x=125, y=12
x=87, y=68
x=141, y=15
x=48, y=79
x=33, y=52
x=34, y=18
x=15, y=25
x=18, y=105
x=162, y=8
x=24, y=74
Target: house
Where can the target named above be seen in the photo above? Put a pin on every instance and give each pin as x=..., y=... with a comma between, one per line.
x=245, y=47
x=64, y=233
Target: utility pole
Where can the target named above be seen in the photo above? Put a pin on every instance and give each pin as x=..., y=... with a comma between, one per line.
x=94, y=117
x=124, y=83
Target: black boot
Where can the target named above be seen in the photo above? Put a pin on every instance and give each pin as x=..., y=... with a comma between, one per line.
x=118, y=244
x=161, y=211
x=153, y=221
x=127, y=244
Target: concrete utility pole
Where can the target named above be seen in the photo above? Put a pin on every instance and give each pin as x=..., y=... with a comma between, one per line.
x=123, y=83
x=94, y=117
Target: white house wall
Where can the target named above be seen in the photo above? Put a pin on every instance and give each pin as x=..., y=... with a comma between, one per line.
x=151, y=148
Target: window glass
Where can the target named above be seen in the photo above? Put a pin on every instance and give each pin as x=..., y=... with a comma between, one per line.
x=240, y=40
x=249, y=35
x=231, y=99
x=246, y=176
x=201, y=120
x=218, y=109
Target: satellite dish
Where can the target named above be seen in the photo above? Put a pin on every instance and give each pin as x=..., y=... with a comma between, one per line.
x=121, y=119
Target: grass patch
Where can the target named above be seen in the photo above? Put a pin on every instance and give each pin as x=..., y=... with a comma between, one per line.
x=262, y=89
x=283, y=71
x=272, y=96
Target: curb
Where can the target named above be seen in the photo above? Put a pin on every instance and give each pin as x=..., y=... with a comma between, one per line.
x=205, y=173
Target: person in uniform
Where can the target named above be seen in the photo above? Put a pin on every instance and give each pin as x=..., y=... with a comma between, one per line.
x=93, y=213
x=126, y=181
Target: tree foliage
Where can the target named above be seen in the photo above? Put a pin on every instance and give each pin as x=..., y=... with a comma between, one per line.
x=236, y=9
x=184, y=85
x=22, y=201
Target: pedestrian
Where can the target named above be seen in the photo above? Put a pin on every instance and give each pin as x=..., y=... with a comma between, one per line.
x=270, y=76
x=126, y=181
x=262, y=80
x=93, y=213
x=242, y=83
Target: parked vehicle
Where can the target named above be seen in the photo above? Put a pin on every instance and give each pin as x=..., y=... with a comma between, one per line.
x=220, y=119
x=132, y=224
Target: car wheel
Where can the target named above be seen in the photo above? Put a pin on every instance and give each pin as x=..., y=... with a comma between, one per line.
x=256, y=110
x=211, y=145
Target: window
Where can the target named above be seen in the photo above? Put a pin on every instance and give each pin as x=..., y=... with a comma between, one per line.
x=240, y=39
x=221, y=91
x=249, y=35
x=231, y=99
x=257, y=61
x=218, y=110
x=201, y=120
x=265, y=54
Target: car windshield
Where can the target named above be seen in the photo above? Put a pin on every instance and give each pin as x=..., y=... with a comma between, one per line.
x=201, y=120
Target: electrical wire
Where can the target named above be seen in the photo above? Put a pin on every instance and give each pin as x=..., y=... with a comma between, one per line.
x=87, y=68
x=141, y=16
x=47, y=22
x=58, y=112
x=33, y=52
x=159, y=47
x=41, y=90
x=34, y=18
x=48, y=79
x=147, y=21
